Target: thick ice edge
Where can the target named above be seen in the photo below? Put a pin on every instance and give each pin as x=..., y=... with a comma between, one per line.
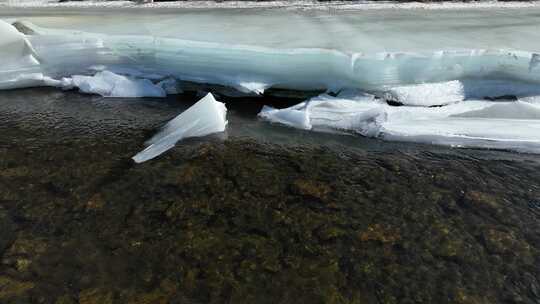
x=254, y=69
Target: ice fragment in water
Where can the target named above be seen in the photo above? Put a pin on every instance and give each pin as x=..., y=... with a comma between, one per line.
x=290, y=117
x=360, y=113
x=469, y=123
x=427, y=94
x=205, y=117
x=109, y=84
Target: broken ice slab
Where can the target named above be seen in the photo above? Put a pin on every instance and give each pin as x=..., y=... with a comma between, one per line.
x=427, y=94
x=15, y=49
x=205, y=117
x=109, y=84
x=346, y=112
x=444, y=93
x=469, y=123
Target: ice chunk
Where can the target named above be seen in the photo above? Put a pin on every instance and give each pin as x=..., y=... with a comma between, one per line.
x=361, y=113
x=14, y=47
x=505, y=110
x=252, y=87
x=427, y=94
x=109, y=84
x=205, y=117
x=19, y=66
x=530, y=99
x=290, y=117
x=471, y=123
x=497, y=88
x=468, y=124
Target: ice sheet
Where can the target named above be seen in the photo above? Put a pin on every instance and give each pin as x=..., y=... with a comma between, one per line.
x=253, y=69
x=205, y=117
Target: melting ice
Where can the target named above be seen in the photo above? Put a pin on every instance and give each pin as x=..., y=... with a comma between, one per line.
x=205, y=117
x=477, y=98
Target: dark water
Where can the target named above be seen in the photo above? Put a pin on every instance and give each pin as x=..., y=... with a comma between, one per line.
x=261, y=214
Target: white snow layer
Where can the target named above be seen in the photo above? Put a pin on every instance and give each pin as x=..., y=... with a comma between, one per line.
x=205, y=117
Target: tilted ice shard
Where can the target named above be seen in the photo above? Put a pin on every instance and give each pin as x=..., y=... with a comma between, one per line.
x=205, y=117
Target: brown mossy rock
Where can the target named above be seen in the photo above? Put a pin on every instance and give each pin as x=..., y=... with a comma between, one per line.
x=311, y=188
x=380, y=233
x=95, y=296
x=10, y=288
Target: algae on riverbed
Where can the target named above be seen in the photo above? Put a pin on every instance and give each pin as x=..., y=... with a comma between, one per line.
x=243, y=222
